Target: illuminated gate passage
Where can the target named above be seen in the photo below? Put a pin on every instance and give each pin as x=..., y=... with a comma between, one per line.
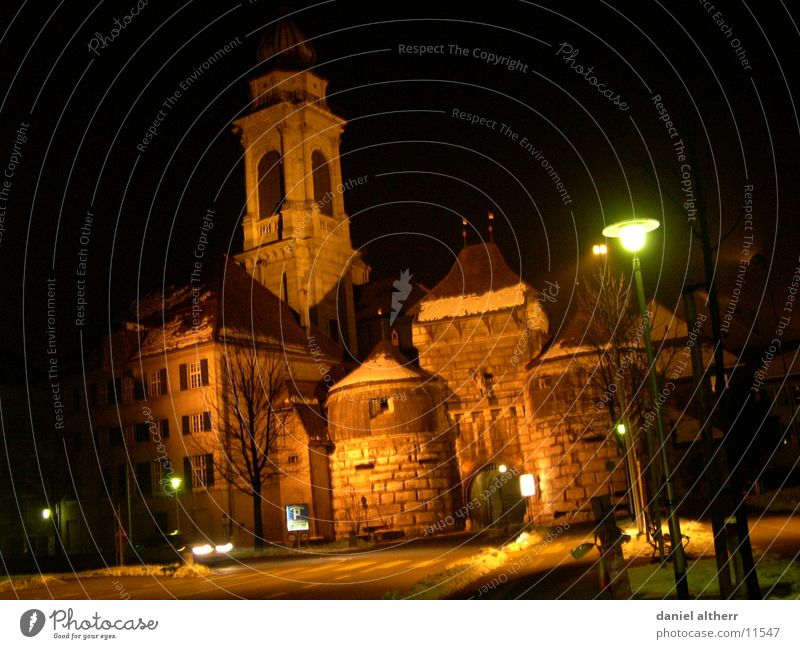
x=496, y=498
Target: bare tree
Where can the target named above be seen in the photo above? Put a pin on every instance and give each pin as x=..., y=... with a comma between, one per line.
x=252, y=415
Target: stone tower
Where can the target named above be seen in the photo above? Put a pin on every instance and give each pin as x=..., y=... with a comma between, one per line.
x=393, y=467
x=296, y=232
x=478, y=329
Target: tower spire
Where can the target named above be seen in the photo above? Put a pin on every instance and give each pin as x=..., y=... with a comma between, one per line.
x=464, y=230
x=491, y=228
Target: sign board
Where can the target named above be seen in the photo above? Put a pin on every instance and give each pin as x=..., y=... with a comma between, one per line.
x=297, y=517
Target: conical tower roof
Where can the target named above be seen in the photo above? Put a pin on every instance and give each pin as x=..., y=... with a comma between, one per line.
x=385, y=363
x=479, y=282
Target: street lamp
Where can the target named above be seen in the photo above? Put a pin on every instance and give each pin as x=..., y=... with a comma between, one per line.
x=175, y=482
x=599, y=249
x=46, y=513
x=632, y=233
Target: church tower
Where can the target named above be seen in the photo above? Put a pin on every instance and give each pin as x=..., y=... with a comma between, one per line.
x=296, y=232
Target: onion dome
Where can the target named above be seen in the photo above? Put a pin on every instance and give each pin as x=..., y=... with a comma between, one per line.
x=284, y=47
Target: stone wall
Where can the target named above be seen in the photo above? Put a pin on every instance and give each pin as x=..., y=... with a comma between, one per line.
x=569, y=445
x=406, y=480
x=482, y=360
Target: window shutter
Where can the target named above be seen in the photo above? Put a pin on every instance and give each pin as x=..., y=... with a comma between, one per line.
x=165, y=429
x=185, y=425
x=138, y=389
x=204, y=370
x=187, y=472
x=209, y=470
x=163, y=380
x=206, y=421
x=184, y=381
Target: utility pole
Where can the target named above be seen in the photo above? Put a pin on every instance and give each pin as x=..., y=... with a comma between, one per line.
x=711, y=463
x=744, y=549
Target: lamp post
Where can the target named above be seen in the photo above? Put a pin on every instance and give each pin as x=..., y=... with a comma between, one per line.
x=175, y=482
x=632, y=233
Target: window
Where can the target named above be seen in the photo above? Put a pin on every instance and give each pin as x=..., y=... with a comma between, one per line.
x=322, y=183
x=270, y=185
x=144, y=477
x=128, y=390
x=293, y=459
x=199, y=422
x=122, y=479
x=194, y=375
x=113, y=391
x=198, y=471
x=163, y=428
x=116, y=436
x=158, y=383
x=142, y=433
x=379, y=405
x=101, y=437
x=105, y=481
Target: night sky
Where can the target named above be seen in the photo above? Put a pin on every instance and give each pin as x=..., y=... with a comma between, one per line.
x=72, y=119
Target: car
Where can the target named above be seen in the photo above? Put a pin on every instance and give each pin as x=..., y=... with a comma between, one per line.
x=172, y=547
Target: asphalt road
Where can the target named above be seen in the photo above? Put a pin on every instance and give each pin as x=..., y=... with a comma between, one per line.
x=367, y=574
x=548, y=573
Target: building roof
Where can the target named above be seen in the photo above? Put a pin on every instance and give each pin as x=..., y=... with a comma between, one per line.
x=230, y=306
x=384, y=363
x=284, y=47
x=479, y=282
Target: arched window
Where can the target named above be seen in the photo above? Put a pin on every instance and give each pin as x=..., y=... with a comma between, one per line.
x=270, y=184
x=323, y=196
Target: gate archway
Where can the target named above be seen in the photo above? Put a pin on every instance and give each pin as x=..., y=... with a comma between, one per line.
x=495, y=497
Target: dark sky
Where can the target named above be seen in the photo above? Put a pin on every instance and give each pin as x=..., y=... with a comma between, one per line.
x=86, y=112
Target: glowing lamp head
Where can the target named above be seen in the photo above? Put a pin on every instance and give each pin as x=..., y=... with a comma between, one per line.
x=527, y=484
x=621, y=429
x=46, y=513
x=599, y=249
x=631, y=233
x=175, y=483
x=502, y=468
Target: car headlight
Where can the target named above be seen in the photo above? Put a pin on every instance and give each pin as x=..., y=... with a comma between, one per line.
x=202, y=549
x=226, y=547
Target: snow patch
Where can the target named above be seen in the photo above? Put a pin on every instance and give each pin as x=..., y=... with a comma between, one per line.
x=463, y=305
